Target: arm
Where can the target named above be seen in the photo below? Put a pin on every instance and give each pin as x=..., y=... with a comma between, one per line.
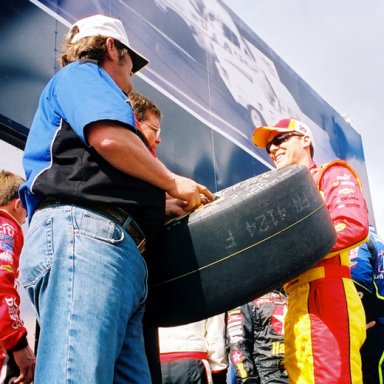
x=240, y=335
x=126, y=152
x=12, y=332
x=367, y=273
x=378, y=264
x=13, y=335
x=346, y=205
x=25, y=360
x=217, y=355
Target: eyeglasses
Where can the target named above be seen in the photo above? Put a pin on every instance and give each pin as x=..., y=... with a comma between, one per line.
x=279, y=139
x=153, y=127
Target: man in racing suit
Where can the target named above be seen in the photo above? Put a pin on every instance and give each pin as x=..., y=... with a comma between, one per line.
x=367, y=269
x=256, y=340
x=16, y=357
x=325, y=323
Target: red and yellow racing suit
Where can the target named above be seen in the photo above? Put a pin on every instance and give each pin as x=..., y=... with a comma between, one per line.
x=12, y=332
x=325, y=324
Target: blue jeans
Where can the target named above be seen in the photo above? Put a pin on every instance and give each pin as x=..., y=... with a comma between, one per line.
x=88, y=284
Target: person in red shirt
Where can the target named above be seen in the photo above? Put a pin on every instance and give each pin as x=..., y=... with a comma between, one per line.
x=325, y=323
x=13, y=334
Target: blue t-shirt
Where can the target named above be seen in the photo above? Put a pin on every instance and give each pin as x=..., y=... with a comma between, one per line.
x=58, y=161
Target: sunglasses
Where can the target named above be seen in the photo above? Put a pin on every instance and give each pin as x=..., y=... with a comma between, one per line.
x=153, y=127
x=279, y=139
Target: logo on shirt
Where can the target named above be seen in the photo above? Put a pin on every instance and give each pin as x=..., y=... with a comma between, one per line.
x=278, y=317
x=13, y=311
x=7, y=267
x=237, y=357
x=7, y=229
x=7, y=257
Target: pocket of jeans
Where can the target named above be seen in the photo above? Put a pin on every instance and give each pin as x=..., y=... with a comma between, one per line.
x=37, y=253
x=98, y=227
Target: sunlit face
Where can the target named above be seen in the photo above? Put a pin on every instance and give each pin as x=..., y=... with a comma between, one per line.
x=286, y=149
x=119, y=67
x=151, y=129
x=124, y=73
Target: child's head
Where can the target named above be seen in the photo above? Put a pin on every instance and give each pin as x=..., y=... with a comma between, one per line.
x=9, y=197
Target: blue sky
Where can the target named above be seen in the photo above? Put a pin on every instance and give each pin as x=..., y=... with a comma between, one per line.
x=337, y=47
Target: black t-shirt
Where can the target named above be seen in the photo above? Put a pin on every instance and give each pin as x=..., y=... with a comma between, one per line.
x=79, y=174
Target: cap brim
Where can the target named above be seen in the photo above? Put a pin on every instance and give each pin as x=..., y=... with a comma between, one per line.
x=138, y=61
x=261, y=135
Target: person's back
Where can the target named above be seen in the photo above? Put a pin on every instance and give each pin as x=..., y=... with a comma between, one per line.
x=256, y=339
x=16, y=357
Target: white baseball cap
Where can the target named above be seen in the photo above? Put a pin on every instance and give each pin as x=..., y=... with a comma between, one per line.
x=107, y=26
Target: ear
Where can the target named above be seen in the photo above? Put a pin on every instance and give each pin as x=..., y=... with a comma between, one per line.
x=112, y=52
x=17, y=204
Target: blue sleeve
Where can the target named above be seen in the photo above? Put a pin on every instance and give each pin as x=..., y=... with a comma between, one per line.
x=85, y=93
x=378, y=265
x=361, y=266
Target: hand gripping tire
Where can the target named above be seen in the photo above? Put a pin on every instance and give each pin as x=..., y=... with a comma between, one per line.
x=256, y=236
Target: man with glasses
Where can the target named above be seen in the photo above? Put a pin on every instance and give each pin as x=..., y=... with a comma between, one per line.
x=325, y=323
x=148, y=117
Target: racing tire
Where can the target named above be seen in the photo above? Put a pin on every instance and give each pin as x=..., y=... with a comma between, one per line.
x=256, y=236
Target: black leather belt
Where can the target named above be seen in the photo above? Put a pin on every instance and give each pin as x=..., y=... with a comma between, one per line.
x=116, y=214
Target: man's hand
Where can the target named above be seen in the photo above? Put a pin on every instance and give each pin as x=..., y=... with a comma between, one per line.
x=188, y=190
x=25, y=360
x=175, y=208
x=371, y=324
x=125, y=151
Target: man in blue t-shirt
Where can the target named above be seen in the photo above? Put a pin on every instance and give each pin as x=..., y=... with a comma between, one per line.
x=96, y=200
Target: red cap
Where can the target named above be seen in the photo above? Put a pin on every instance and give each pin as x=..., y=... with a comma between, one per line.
x=261, y=135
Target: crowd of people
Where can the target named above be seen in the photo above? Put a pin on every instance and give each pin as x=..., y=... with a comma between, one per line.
x=96, y=196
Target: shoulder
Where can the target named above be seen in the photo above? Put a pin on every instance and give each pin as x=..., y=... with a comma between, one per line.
x=376, y=240
x=8, y=221
x=337, y=171
x=337, y=166
x=77, y=70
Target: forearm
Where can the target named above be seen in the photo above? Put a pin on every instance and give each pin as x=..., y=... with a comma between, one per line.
x=240, y=337
x=125, y=151
x=25, y=360
x=11, y=325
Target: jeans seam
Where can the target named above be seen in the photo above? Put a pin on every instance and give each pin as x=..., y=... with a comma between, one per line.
x=71, y=229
